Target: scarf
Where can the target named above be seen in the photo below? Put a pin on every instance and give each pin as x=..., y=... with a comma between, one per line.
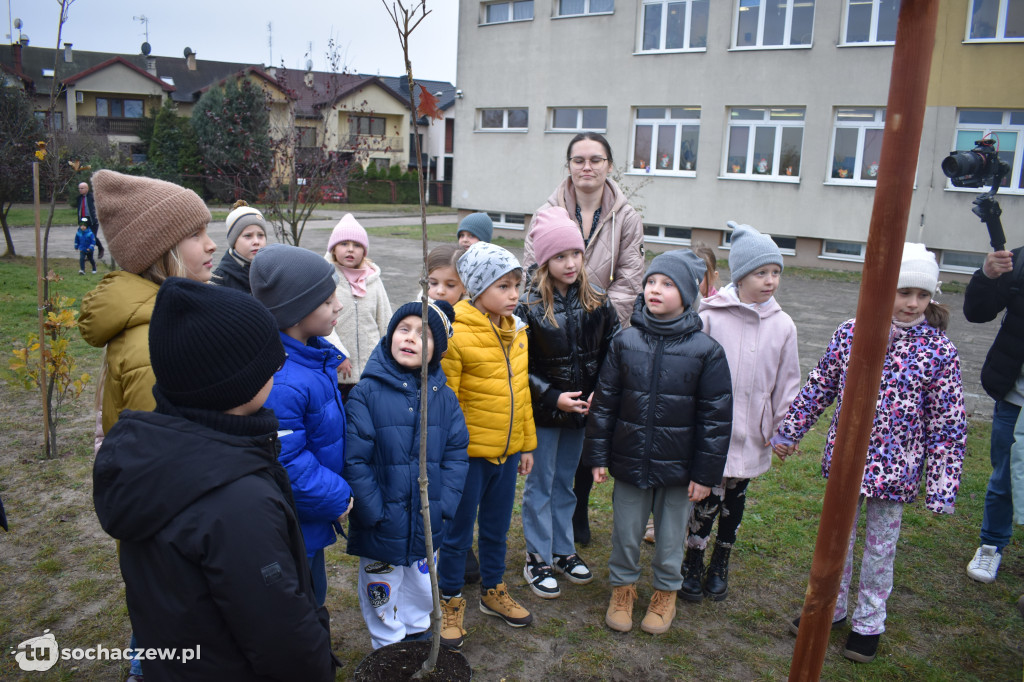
x=356, y=279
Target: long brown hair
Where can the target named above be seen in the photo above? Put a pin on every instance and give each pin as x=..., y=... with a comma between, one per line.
x=590, y=298
x=444, y=256
x=937, y=315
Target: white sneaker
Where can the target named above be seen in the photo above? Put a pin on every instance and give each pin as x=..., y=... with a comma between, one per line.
x=985, y=564
x=541, y=577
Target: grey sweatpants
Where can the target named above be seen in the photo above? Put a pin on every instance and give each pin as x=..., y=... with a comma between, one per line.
x=631, y=508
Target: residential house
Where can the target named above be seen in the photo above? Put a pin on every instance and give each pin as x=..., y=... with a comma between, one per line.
x=768, y=112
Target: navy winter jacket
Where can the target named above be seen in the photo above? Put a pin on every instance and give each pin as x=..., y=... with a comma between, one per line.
x=306, y=401
x=662, y=413
x=984, y=300
x=382, y=460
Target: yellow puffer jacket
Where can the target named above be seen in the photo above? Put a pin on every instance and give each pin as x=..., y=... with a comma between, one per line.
x=116, y=314
x=487, y=367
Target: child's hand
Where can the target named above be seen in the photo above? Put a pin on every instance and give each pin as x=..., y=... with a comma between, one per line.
x=570, y=402
x=600, y=474
x=783, y=450
x=525, y=463
x=341, y=519
x=697, y=492
x=345, y=369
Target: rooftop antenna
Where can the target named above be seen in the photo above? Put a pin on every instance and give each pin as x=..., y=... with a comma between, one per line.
x=270, y=42
x=144, y=20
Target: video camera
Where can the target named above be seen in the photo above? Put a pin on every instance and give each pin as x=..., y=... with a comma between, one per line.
x=976, y=168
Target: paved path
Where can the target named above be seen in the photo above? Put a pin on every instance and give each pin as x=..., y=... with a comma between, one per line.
x=816, y=306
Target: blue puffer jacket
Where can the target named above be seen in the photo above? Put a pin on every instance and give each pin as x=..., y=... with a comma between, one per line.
x=306, y=401
x=382, y=462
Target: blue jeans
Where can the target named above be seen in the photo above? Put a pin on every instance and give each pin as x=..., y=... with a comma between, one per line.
x=83, y=256
x=495, y=483
x=548, y=499
x=996, y=524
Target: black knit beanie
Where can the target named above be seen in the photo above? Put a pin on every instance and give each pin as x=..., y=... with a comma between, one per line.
x=440, y=316
x=211, y=347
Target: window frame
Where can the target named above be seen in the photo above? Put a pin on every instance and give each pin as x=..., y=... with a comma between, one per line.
x=787, y=43
x=663, y=31
x=752, y=125
x=1007, y=126
x=557, y=10
x=784, y=250
x=1000, y=30
x=678, y=124
x=122, y=101
x=579, y=127
x=962, y=269
x=826, y=254
x=357, y=120
x=855, y=179
x=480, y=128
x=511, y=12
x=500, y=219
x=872, y=31
x=661, y=238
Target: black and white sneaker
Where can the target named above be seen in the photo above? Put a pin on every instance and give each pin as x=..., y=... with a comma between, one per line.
x=541, y=577
x=574, y=568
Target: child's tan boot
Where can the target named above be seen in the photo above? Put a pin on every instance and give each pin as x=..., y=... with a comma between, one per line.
x=620, y=609
x=660, y=613
x=453, y=610
x=498, y=602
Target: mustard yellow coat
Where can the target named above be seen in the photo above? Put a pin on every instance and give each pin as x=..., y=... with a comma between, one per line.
x=487, y=367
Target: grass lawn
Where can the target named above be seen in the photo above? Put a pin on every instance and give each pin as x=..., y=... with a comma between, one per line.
x=60, y=571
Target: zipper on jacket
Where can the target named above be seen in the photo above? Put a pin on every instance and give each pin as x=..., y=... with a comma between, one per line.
x=571, y=332
x=359, y=352
x=511, y=392
x=337, y=394
x=649, y=429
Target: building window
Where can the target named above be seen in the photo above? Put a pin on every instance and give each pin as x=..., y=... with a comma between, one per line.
x=871, y=22
x=579, y=119
x=838, y=250
x=381, y=164
x=508, y=221
x=674, y=25
x=504, y=12
x=996, y=20
x=787, y=245
x=856, y=145
x=1007, y=127
x=504, y=119
x=765, y=143
x=571, y=8
x=107, y=107
x=305, y=137
x=665, y=140
x=961, y=261
x=773, y=23
x=367, y=125
x=44, y=118
x=663, y=234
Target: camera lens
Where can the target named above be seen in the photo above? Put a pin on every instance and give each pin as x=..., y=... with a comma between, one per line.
x=959, y=164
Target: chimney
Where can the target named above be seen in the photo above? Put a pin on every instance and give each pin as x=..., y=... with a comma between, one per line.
x=190, y=61
x=151, y=65
x=271, y=71
x=68, y=57
x=16, y=48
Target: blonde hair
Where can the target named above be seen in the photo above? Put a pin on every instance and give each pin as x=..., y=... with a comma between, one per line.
x=590, y=298
x=167, y=265
x=937, y=315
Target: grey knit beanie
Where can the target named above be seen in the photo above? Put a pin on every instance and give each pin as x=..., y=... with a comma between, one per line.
x=291, y=282
x=479, y=225
x=749, y=250
x=683, y=267
x=240, y=218
x=482, y=265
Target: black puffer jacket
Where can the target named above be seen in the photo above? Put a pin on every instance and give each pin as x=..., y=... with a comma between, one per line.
x=983, y=301
x=662, y=414
x=233, y=272
x=567, y=357
x=211, y=550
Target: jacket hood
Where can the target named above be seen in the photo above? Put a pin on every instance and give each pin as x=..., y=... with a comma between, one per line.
x=382, y=367
x=120, y=301
x=153, y=465
x=611, y=201
x=469, y=315
x=687, y=323
x=727, y=298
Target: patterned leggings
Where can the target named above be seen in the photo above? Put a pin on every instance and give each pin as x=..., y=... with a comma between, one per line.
x=729, y=498
x=881, y=531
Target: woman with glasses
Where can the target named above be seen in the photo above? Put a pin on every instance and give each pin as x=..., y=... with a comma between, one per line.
x=613, y=256
x=613, y=233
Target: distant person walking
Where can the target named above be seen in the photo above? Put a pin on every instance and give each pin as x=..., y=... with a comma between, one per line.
x=87, y=215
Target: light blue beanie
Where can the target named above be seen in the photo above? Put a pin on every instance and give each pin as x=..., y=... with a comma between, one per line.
x=479, y=225
x=749, y=250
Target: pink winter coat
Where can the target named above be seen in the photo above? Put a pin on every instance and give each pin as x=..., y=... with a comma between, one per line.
x=920, y=426
x=614, y=258
x=760, y=346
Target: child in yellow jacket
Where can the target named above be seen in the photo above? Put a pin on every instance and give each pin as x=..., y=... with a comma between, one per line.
x=487, y=368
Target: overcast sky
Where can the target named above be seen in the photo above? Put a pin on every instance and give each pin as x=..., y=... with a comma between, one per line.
x=236, y=31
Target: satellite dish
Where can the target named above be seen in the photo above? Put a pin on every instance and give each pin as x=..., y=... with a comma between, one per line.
x=146, y=49
x=309, y=65
x=188, y=52
x=17, y=24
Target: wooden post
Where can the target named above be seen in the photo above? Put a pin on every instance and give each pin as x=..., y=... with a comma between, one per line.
x=908, y=86
x=41, y=312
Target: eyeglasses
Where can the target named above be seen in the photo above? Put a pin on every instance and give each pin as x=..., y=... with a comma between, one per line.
x=580, y=162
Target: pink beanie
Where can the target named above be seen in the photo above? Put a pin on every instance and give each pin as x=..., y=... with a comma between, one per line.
x=553, y=233
x=348, y=229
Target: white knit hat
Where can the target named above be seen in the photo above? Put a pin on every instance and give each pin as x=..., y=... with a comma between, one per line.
x=918, y=269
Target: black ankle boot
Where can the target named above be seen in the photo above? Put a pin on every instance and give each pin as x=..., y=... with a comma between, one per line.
x=716, y=582
x=693, y=575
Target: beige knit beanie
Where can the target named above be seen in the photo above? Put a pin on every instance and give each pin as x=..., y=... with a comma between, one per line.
x=144, y=218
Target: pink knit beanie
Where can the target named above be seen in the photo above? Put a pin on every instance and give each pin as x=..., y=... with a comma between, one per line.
x=348, y=229
x=145, y=218
x=553, y=233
